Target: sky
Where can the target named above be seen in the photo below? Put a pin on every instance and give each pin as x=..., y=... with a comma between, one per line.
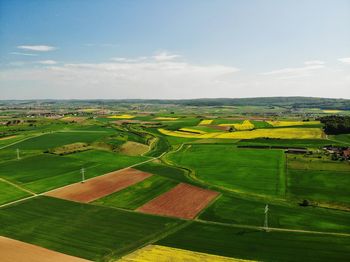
x=119, y=49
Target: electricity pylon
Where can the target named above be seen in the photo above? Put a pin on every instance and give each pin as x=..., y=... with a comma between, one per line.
x=82, y=175
x=266, y=222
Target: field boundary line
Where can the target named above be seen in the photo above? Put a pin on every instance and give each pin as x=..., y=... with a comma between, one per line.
x=17, y=201
x=275, y=228
x=43, y=193
x=154, y=238
x=17, y=186
x=27, y=138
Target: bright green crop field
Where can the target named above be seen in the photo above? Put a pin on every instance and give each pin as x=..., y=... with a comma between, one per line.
x=242, y=170
x=230, y=209
x=319, y=180
x=45, y=171
x=253, y=244
x=56, y=139
x=87, y=231
x=10, y=193
x=136, y=195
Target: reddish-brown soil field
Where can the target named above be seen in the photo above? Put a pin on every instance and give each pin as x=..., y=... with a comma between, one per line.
x=101, y=186
x=16, y=251
x=184, y=201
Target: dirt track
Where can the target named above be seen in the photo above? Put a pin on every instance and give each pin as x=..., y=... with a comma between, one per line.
x=184, y=201
x=16, y=251
x=100, y=186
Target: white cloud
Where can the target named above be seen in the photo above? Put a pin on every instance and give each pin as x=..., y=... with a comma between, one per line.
x=345, y=60
x=24, y=54
x=39, y=48
x=128, y=60
x=47, y=62
x=294, y=72
x=149, y=78
x=165, y=56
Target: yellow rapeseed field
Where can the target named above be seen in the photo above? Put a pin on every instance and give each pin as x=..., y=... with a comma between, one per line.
x=126, y=116
x=168, y=254
x=283, y=133
x=164, y=118
x=246, y=125
x=292, y=123
x=192, y=130
x=88, y=110
x=331, y=111
x=206, y=122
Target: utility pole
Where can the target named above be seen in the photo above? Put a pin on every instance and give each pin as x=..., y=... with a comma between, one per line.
x=82, y=175
x=266, y=222
x=17, y=151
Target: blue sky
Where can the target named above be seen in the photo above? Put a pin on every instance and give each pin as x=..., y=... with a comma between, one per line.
x=177, y=49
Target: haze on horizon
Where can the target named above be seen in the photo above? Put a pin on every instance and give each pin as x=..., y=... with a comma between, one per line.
x=87, y=49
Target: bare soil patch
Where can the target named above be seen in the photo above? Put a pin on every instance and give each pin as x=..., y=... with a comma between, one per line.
x=184, y=201
x=13, y=250
x=100, y=186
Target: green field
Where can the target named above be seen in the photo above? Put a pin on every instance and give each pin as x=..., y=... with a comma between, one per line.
x=10, y=193
x=308, y=143
x=175, y=174
x=258, y=245
x=56, y=139
x=241, y=170
x=136, y=195
x=230, y=209
x=319, y=180
x=344, y=138
x=45, y=171
x=87, y=231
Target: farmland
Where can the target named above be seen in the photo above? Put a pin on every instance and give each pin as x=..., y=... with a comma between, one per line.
x=136, y=195
x=189, y=183
x=265, y=168
x=252, y=244
x=99, y=233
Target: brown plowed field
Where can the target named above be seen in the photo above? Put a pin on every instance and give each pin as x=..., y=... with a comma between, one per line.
x=100, y=186
x=184, y=201
x=16, y=251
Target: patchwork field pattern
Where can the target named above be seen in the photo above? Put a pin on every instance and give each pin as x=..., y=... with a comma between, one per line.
x=246, y=125
x=100, y=186
x=138, y=194
x=88, y=231
x=13, y=250
x=184, y=201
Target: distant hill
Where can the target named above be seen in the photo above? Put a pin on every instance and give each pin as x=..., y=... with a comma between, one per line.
x=290, y=102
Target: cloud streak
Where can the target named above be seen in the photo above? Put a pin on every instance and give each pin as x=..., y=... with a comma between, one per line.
x=147, y=77
x=24, y=54
x=345, y=60
x=37, y=48
x=47, y=62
